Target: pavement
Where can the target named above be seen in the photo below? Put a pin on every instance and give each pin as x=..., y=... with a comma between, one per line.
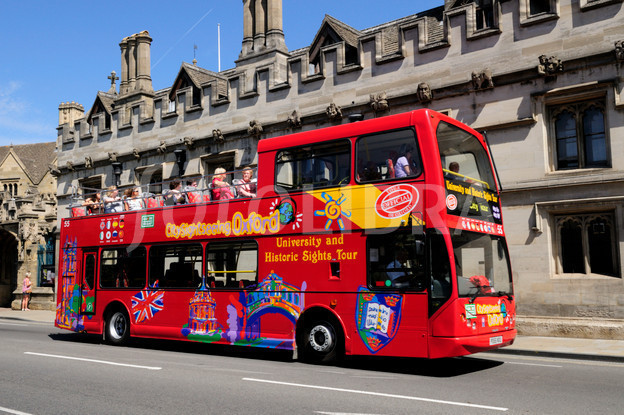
x=561, y=347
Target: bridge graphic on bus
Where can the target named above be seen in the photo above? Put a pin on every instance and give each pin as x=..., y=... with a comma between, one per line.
x=272, y=296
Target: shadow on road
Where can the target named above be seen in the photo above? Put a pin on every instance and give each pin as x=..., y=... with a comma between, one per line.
x=439, y=368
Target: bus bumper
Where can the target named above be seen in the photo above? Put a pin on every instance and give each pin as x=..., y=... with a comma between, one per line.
x=461, y=346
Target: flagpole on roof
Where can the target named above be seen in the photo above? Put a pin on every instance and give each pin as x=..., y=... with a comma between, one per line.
x=219, y=45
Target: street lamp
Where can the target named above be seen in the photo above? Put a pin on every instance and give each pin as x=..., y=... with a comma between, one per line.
x=117, y=169
x=356, y=117
x=180, y=156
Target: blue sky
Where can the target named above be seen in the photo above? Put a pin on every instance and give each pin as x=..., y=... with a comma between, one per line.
x=59, y=51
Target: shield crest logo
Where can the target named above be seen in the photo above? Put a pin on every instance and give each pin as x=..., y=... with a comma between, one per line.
x=377, y=317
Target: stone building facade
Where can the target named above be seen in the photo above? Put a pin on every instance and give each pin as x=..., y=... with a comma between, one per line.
x=543, y=78
x=27, y=223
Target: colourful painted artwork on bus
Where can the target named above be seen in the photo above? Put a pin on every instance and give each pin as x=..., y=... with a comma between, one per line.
x=272, y=296
x=146, y=303
x=287, y=212
x=499, y=316
x=333, y=211
x=377, y=317
x=68, y=308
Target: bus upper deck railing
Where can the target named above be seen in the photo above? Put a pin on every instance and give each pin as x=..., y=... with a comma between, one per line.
x=197, y=189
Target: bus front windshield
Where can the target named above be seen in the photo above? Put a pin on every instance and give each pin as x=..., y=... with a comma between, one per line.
x=481, y=265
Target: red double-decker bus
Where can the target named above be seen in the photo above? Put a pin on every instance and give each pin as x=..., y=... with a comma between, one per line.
x=379, y=237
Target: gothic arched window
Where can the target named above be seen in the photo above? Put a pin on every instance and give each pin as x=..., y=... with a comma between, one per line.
x=586, y=244
x=580, y=136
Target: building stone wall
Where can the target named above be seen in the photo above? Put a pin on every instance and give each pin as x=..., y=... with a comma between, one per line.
x=506, y=78
x=27, y=223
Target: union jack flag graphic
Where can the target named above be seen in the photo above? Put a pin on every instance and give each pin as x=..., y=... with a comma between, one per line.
x=146, y=303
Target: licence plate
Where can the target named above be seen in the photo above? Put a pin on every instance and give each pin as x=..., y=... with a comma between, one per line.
x=496, y=340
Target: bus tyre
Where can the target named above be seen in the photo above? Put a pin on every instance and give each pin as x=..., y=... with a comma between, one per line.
x=117, y=328
x=320, y=342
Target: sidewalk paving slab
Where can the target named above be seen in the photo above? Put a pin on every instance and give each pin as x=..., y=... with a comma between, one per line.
x=567, y=347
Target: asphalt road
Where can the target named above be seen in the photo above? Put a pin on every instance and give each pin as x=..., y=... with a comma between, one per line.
x=48, y=371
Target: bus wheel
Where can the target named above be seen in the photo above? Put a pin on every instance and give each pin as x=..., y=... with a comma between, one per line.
x=320, y=342
x=117, y=328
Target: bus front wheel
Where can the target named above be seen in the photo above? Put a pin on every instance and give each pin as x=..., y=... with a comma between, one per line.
x=321, y=342
x=117, y=328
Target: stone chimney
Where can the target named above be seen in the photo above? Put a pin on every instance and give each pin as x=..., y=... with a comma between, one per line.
x=69, y=112
x=135, y=64
x=262, y=27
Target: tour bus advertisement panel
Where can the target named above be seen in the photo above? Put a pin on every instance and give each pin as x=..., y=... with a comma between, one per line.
x=472, y=200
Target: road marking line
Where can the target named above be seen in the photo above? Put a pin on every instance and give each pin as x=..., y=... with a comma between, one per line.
x=13, y=411
x=385, y=395
x=12, y=324
x=335, y=372
x=531, y=364
x=225, y=369
x=94, y=361
x=341, y=413
x=373, y=377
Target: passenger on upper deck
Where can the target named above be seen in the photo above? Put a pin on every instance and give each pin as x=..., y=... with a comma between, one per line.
x=220, y=188
x=246, y=187
x=112, y=201
x=175, y=195
x=192, y=194
x=133, y=199
x=390, y=163
x=93, y=204
x=404, y=165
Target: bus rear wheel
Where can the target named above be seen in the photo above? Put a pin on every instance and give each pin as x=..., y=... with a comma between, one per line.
x=117, y=328
x=320, y=342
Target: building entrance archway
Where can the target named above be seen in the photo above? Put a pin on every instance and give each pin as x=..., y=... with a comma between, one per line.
x=8, y=266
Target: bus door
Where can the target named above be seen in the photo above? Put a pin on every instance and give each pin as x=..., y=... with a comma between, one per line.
x=86, y=280
x=397, y=314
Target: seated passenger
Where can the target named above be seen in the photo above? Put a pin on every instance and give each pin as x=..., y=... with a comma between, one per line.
x=371, y=171
x=93, y=204
x=404, y=165
x=220, y=188
x=246, y=187
x=112, y=201
x=192, y=195
x=175, y=195
x=396, y=270
x=133, y=199
x=390, y=162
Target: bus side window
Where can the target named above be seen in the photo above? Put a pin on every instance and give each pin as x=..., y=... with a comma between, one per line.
x=123, y=268
x=313, y=167
x=387, y=156
x=175, y=266
x=396, y=261
x=232, y=264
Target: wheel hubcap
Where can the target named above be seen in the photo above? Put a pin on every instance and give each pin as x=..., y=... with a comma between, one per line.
x=118, y=326
x=321, y=339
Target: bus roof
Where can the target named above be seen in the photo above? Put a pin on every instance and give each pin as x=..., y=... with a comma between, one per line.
x=343, y=131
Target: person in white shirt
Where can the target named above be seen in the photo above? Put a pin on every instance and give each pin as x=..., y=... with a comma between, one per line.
x=404, y=165
x=133, y=199
x=112, y=201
